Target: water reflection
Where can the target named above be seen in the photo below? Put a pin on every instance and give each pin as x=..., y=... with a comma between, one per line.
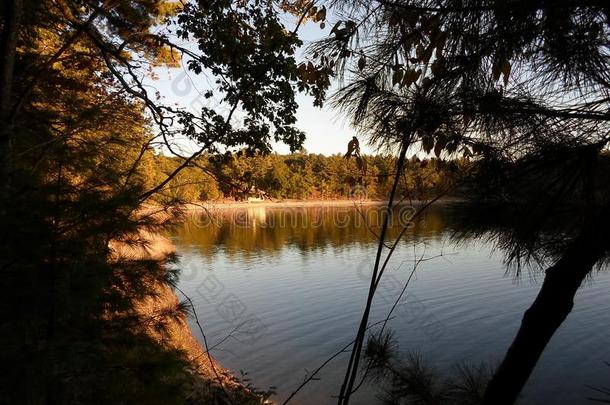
x=270, y=229
x=293, y=282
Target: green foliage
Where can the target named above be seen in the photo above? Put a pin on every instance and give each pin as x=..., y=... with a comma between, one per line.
x=248, y=49
x=77, y=133
x=305, y=176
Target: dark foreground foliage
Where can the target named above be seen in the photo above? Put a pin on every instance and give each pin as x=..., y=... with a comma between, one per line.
x=77, y=128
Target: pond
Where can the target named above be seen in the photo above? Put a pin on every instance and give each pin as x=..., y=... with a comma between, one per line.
x=280, y=290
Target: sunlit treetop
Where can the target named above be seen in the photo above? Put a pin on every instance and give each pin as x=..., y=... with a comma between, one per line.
x=250, y=55
x=242, y=48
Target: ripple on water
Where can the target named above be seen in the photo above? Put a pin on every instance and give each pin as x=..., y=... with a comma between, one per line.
x=309, y=297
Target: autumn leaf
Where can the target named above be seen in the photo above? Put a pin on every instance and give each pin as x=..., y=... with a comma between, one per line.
x=437, y=67
x=321, y=14
x=361, y=63
x=440, y=145
x=427, y=143
x=397, y=77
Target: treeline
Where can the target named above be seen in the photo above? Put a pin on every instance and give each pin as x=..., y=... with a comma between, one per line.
x=303, y=176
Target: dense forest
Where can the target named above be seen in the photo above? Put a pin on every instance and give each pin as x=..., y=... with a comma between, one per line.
x=303, y=176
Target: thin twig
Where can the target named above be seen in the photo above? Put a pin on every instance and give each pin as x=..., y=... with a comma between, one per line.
x=205, y=342
x=352, y=368
x=317, y=370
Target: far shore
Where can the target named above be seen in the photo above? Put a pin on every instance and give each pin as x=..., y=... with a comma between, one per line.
x=203, y=205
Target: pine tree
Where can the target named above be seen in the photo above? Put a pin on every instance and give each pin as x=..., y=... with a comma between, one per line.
x=78, y=129
x=522, y=86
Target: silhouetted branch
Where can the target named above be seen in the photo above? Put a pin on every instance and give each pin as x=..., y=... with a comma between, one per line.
x=328, y=360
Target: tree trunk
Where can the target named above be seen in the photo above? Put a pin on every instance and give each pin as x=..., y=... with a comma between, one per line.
x=8, y=47
x=551, y=307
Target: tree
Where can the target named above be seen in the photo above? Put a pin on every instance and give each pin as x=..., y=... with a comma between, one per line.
x=78, y=125
x=521, y=85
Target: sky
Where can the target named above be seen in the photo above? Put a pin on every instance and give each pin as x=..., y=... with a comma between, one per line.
x=327, y=132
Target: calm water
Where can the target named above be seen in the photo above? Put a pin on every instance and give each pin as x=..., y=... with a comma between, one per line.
x=280, y=290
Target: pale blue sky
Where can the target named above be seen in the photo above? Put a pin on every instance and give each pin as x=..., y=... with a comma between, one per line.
x=327, y=132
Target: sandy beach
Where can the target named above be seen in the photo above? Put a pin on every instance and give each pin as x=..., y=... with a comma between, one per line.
x=196, y=206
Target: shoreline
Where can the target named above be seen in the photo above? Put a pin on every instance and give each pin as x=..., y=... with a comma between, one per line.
x=209, y=376
x=205, y=205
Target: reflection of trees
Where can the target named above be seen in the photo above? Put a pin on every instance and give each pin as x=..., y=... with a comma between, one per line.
x=269, y=229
